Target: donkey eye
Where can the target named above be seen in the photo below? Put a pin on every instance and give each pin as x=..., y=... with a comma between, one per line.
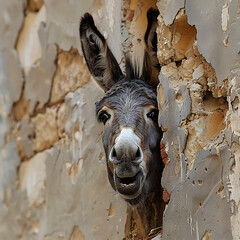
x=153, y=114
x=103, y=117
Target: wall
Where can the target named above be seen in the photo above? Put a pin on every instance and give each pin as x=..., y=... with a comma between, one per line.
x=53, y=181
x=52, y=167
x=198, y=46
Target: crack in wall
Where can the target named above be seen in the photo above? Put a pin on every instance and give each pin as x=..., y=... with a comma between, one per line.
x=199, y=115
x=205, y=128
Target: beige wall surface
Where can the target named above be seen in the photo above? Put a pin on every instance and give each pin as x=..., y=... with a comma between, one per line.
x=52, y=167
x=53, y=179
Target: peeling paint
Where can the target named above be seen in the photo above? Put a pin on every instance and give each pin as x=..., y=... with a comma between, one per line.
x=225, y=17
x=222, y=59
x=48, y=171
x=71, y=74
x=52, y=165
x=193, y=204
x=28, y=45
x=169, y=9
x=204, y=176
x=32, y=177
x=40, y=78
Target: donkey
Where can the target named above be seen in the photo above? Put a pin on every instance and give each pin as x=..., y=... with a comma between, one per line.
x=129, y=113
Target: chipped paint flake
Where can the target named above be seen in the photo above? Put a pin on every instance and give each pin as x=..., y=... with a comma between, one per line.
x=225, y=17
x=111, y=210
x=76, y=234
x=32, y=175
x=73, y=170
x=28, y=45
x=206, y=236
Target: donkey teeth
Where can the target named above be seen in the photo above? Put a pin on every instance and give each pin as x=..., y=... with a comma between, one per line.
x=128, y=184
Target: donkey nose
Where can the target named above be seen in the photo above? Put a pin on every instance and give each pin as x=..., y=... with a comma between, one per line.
x=125, y=152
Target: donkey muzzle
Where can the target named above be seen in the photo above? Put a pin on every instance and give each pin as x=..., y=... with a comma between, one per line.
x=127, y=157
x=126, y=148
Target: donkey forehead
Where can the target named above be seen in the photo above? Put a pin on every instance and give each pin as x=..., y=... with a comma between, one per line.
x=128, y=96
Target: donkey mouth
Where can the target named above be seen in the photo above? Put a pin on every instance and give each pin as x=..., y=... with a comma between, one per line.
x=129, y=186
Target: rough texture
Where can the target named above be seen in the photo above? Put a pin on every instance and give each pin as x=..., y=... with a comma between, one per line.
x=198, y=103
x=53, y=177
x=71, y=74
x=53, y=180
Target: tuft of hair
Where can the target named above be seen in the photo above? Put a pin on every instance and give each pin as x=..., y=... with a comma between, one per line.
x=130, y=73
x=144, y=70
x=133, y=69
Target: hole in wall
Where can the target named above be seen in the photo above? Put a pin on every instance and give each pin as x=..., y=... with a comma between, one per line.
x=183, y=36
x=178, y=63
x=216, y=109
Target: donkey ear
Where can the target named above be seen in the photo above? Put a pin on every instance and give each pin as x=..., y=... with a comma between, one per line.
x=151, y=66
x=99, y=58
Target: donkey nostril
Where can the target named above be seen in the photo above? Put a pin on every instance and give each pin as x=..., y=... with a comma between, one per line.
x=138, y=154
x=114, y=154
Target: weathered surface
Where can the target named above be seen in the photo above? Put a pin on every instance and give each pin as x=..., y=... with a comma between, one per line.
x=53, y=180
x=71, y=74
x=198, y=103
x=52, y=168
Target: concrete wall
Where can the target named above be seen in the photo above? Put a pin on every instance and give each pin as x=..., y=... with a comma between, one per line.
x=199, y=45
x=53, y=180
x=52, y=167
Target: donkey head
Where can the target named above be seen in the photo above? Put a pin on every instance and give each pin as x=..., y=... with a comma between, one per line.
x=128, y=111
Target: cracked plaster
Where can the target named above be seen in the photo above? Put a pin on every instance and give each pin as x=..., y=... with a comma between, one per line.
x=69, y=169
x=28, y=45
x=198, y=205
x=10, y=81
x=79, y=184
x=71, y=163
x=213, y=111
x=220, y=57
x=199, y=14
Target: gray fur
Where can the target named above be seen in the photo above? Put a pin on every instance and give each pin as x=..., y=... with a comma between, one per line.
x=128, y=99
